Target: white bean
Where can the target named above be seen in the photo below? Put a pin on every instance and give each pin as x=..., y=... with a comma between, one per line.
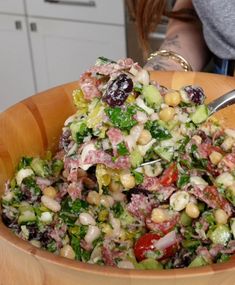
x=116, y=225
x=226, y=179
x=179, y=200
x=22, y=174
x=92, y=234
x=46, y=217
x=153, y=171
x=141, y=117
x=67, y=251
x=86, y=219
x=141, y=104
x=198, y=181
x=51, y=204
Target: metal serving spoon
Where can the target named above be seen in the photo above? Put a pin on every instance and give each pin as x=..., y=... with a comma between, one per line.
x=220, y=103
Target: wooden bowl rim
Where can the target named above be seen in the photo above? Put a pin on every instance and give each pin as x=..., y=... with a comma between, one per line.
x=27, y=248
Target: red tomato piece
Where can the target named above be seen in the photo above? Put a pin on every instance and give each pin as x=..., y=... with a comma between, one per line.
x=146, y=244
x=170, y=175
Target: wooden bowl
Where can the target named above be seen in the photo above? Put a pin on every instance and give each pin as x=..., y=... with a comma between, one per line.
x=33, y=126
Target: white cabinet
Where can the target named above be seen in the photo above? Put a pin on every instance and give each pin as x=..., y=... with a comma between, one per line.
x=68, y=35
x=62, y=50
x=16, y=75
x=96, y=11
x=12, y=6
x=45, y=43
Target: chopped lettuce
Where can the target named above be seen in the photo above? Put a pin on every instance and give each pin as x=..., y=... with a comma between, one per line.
x=122, y=119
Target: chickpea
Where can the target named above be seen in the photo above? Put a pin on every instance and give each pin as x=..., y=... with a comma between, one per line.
x=115, y=186
x=215, y=157
x=127, y=180
x=50, y=203
x=167, y=114
x=221, y=217
x=192, y=210
x=172, y=98
x=107, y=201
x=50, y=192
x=107, y=229
x=158, y=215
x=67, y=251
x=93, y=198
x=145, y=137
x=197, y=139
x=227, y=144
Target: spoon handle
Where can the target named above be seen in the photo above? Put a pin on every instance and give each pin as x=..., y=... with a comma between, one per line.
x=222, y=102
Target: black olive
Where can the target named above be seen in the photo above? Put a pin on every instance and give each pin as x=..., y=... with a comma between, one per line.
x=118, y=91
x=195, y=94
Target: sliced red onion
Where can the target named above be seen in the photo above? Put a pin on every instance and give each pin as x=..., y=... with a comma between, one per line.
x=166, y=241
x=43, y=181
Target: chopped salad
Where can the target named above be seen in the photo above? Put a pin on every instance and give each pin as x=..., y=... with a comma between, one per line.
x=97, y=201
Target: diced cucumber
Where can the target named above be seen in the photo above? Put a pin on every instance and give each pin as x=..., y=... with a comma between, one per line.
x=78, y=128
x=191, y=244
x=221, y=235
x=198, y=261
x=27, y=216
x=164, y=153
x=185, y=220
x=172, y=124
x=148, y=263
x=152, y=96
x=126, y=218
x=136, y=158
x=200, y=115
x=38, y=166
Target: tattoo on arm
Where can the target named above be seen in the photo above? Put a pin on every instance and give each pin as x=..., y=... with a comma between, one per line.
x=158, y=64
x=171, y=42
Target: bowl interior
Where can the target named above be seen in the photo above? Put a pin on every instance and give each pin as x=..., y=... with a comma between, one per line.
x=33, y=126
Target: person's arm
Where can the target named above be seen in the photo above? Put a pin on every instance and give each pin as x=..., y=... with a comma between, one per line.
x=184, y=38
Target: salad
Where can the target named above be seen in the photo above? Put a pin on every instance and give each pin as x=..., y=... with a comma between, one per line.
x=97, y=201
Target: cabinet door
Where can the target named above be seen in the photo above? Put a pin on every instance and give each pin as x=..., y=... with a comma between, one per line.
x=16, y=77
x=62, y=50
x=97, y=11
x=12, y=6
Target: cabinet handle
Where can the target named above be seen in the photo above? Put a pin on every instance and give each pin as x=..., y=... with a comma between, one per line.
x=33, y=27
x=72, y=3
x=18, y=25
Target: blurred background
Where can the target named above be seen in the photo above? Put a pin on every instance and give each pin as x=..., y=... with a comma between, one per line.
x=45, y=43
